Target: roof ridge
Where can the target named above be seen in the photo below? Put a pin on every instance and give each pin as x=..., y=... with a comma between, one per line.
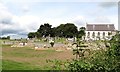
x=100, y=27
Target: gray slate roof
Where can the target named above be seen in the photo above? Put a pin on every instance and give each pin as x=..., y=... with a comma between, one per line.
x=100, y=27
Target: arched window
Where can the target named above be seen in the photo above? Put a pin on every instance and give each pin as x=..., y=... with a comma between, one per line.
x=93, y=34
x=98, y=33
x=111, y=33
x=88, y=34
x=103, y=34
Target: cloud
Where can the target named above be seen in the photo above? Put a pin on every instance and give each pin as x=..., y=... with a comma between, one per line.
x=22, y=25
x=30, y=21
x=79, y=21
x=9, y=31
x=102, y=19
x=5, y=20
x=5, y=16
x=25, y=8
x=12, y=24
x=108, y=4
x=114, y=20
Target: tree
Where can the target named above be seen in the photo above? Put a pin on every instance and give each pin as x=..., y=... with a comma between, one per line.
x=109, y=34
x=60, y=30
x=115, y=41
x=8, y=37
x=45, y=30
x=53, y=32
x=66, y=30
x=82, y=28
x=63, y=30
x=70, y=30
x=81, y=32
x=31, y=35
x=38, y=35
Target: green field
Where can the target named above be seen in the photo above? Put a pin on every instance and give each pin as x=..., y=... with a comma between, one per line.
x=26, y=58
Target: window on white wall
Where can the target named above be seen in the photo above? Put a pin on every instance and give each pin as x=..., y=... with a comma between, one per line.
x=93, y=34
x=98, y=33
x=88, y=34
x=98, y=36
x=103, y=34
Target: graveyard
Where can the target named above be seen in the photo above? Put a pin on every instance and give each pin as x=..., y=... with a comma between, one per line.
x=32, y=55
x=29, y=57
x=59, y=35
x=63, y=49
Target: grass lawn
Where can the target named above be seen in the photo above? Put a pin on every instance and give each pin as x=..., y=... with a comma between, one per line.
x=26, y=58
x=13, y=65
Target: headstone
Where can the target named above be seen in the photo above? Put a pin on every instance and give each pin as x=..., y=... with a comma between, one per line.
x=44, y=46
x=51, y=42
x=36, y=48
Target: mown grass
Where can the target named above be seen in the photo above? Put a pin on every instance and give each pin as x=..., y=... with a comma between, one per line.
x=13, y=65
x=25, y=52
x=0, y=64
x=26, y=58
x=15, y=58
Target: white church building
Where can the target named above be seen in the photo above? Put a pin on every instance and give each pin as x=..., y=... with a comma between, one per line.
x=99, y=31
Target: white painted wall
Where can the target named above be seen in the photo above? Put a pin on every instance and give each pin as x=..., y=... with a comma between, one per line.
x=96, y=34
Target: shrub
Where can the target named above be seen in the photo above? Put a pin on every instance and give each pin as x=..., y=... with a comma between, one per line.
x=99, y=61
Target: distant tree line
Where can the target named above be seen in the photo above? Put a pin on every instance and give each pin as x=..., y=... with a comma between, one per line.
x=8, y=37
x=67, y=30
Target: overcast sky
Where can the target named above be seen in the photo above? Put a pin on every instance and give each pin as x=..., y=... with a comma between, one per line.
x=19, y=17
